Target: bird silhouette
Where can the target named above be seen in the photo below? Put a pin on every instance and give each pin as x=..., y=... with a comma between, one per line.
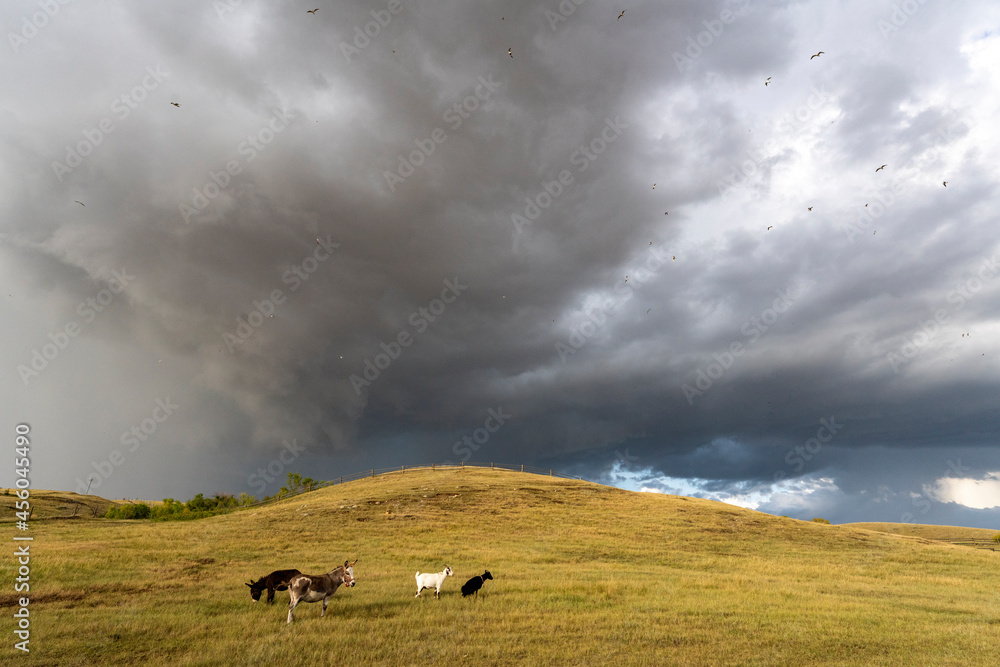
x=654, y=186
x=881, y=168
x=674, y=258
x=769, y=228
x=810, y=208
x=768, y=81
x=666, y=213
x=509, y=53
x=817, y=55
x=80, y=202
x=312, y=11
x=621, y=15
x=176, y=105
x=944, y=183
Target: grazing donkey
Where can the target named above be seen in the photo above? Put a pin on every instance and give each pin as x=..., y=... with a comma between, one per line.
x=432, y=580
x=473, y=585
x=313, y=588
x=276, y=581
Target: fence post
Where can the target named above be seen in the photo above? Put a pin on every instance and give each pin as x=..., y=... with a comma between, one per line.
x=373, y=472
x=491, y=465
x=402, y=469
x=522, y=467
x=550, y=472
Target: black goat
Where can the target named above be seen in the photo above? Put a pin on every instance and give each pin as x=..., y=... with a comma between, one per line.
x=473, y=585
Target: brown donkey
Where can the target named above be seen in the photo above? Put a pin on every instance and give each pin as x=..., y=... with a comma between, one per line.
x=313, y=588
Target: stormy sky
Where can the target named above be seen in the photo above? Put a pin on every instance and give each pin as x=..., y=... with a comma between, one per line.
x=654, y=249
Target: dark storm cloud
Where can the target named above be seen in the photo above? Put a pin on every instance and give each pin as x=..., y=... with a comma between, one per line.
x=292, y=228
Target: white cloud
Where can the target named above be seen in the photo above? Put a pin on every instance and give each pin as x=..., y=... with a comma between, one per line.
x=975, y=493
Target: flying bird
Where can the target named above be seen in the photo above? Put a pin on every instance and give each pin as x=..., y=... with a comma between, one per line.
x=817, y=55
x=810, y=208
x=666, y=213
x=944, y=183
x=881, y=168
x=674, y=258
x=176, y=105
x=769, y=228
x=654, y=186
x=768, y=81
x=509, y=53
x=621, y=15
x=80, y=202
x=312, y=11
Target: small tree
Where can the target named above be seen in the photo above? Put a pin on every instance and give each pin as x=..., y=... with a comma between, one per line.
x=818, y=520
x=996, y=538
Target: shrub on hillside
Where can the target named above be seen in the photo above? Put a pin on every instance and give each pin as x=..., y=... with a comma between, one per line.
x=129, y=511
x=996, y=538
x=818, y=520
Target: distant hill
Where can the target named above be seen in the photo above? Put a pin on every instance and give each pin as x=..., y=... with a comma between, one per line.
x=55, y=505
x=582, y=574
x=978, y=537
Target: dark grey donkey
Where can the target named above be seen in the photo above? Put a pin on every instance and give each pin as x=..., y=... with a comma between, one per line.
x=313, y=587
x=472, y=586
x=276, y=581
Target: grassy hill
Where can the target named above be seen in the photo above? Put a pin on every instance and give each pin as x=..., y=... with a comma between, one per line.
x=583, y=574
x=55, y=505
x=978, y=537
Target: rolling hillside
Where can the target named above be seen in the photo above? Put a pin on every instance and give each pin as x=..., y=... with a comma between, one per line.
x=583, y=574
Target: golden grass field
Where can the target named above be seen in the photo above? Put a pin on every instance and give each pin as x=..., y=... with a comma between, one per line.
x=583, y=575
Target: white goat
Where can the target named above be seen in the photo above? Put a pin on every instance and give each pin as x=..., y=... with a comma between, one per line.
x=432, y=580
